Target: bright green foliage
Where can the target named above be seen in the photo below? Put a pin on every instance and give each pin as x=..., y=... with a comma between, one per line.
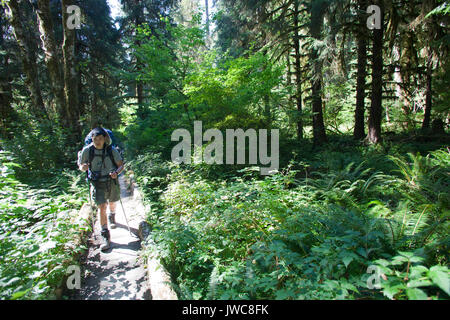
x=405, y=277
x=339, y=98
x=39, y=145
x=36, y=232
x=291, y=236
x=443, y=9
x=165, y=65
x=237, y=94
x=188, y=83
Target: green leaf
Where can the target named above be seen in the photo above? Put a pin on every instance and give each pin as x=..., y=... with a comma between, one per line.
x=391, y=291
x=283, y=294
x=406, y=254
x=19, y=294
x=416, y=294
x=347, y=260
x=349, y=286
x=416, y=259
x=197, y=295
x=440, y=278
x=382, y=262
x=417, y=271
x=419, y=283
x=399, y=260
x=47, y=246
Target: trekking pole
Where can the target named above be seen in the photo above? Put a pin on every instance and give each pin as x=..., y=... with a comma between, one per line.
x=123, y=209
x=90, y=203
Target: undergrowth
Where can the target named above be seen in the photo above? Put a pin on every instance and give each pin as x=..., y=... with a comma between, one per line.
x=339, y=226
x=37, y=230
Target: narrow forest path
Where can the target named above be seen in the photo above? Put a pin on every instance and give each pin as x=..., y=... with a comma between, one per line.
x=117, y=274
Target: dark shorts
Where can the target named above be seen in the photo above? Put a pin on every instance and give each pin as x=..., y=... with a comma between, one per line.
x=104, y=191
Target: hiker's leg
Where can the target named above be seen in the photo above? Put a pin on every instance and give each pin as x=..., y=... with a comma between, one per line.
x=102, y=208
x=113, y=196
x=100, y=200
x=112, y=206
x=112, y=215
x=106, y=244
x=102, y=203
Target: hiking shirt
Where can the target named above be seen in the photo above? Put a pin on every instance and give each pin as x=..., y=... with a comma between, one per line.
x=101, y=162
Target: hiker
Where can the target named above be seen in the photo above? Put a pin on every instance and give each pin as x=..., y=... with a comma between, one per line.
x=112, y=142
x=103, y=163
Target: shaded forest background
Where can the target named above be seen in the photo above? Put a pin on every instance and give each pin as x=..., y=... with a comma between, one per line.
x=310, y=68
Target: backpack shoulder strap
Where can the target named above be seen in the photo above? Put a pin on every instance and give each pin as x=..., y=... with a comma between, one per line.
x=91, y=153
x=109, y=151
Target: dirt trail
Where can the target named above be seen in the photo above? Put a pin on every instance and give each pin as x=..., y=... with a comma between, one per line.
x=117, y=274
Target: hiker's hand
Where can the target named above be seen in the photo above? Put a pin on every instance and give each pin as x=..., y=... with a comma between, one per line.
x=113, y=175
x=84, y=167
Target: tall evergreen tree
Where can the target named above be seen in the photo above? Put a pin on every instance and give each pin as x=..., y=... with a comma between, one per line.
x=20, y=13
x=317, y=15
x=7, y=65
x=361, y=39
x=374, y=134
x=52, y=60
x=138, y=12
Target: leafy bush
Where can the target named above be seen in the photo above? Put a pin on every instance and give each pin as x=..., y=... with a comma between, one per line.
x=39, y=145
x=37, y=229
x=313, y=236
x=404, y=275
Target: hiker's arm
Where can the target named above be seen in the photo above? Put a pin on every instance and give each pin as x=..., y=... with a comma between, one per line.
x=83, y=161
x=119, y=163
x=119, y=169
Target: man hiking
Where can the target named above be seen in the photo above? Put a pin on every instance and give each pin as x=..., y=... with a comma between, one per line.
x=103, y=163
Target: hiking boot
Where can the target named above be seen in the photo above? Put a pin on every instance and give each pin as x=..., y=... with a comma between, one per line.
x=106, y=243
x=112, y=220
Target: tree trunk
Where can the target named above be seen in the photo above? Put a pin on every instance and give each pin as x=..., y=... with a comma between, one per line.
x=319, y=135
x=400, y=93
x=377, y=81
x=298, y=73
x=428, y=95
x=408, y=58
x=70, y=73
x=140, y=94
x=207, y=18
x=139, y=85
x=51, y=58
x=7, y=112
x=94, y=113
x=28, y=57
x=431, y=52
x=361, y=35
x=289, y=72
